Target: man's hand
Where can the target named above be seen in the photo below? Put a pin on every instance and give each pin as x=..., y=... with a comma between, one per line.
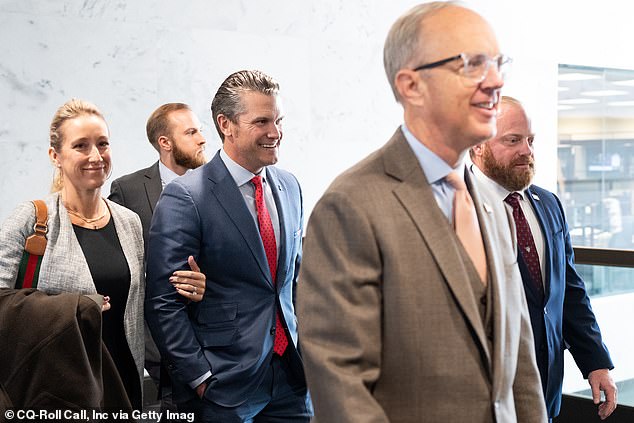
x=200, y=390
x=600, y=380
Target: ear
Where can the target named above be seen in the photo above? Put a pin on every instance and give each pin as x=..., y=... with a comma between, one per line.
x=478, y=150
x=410, y=86
x=164, y=143
x=52, y=154
x=225, y=125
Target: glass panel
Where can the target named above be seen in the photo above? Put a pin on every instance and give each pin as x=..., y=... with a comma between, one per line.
x=596, y=155
x=612, y=313
x=604, y=280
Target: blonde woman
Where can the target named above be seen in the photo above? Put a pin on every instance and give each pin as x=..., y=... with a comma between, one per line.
x=94, y=245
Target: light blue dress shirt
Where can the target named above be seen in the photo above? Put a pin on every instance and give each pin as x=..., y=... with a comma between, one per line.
x=243, y=177
x=435, y=170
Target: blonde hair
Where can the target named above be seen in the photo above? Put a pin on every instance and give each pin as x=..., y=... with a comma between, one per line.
x=70, y=110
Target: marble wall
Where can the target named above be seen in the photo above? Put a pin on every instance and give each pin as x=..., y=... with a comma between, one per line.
x=129, y=57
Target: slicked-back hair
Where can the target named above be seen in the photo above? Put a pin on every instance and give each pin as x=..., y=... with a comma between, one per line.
x=228, y=101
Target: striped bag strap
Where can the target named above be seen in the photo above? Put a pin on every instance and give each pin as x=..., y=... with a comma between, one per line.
x=34, y=248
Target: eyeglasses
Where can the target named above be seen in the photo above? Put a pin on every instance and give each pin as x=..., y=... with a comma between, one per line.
x=475, y=67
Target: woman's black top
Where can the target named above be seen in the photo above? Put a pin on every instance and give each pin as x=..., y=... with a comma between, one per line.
x=111, y=275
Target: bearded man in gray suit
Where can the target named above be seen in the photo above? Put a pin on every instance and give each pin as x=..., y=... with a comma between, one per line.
x=402, y=318
x=174, y=131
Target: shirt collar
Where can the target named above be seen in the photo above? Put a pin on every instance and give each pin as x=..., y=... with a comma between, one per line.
x=239, y=174
x=167, y=174
x=434, y=168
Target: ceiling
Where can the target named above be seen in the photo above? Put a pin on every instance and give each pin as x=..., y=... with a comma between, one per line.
x=595, y=92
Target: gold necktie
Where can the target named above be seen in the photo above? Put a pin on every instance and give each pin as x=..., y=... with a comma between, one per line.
x=466, y=225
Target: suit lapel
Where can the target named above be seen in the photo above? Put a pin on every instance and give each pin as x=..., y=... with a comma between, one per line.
x=547, y=230
x=416, y=196
x=231, y=200
x=280, y=194
x=153, y=185
x=486, y=219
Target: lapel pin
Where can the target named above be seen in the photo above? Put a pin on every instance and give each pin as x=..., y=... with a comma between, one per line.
x=535, y=196
x=487, y=207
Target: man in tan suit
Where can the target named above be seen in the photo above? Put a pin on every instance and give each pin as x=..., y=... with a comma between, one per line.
x=403, y=319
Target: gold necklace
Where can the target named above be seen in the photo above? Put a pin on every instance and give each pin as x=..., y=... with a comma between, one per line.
x=85, y=219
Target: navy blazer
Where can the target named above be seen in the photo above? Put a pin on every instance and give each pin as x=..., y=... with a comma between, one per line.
x=565, y=317
x=231, y=331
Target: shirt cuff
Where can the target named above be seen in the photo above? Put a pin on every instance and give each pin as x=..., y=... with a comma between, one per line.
x=200, y=380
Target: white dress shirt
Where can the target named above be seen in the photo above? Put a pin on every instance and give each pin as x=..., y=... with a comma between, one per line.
x=500, y=193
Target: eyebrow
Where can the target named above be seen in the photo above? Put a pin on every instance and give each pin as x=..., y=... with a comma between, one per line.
x=515, y=134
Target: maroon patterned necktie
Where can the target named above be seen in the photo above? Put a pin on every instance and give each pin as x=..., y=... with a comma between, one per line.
x=526, y=243
x=270, y=248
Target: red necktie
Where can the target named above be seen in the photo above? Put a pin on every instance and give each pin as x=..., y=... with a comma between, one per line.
x=270, y=248
x=526, y=243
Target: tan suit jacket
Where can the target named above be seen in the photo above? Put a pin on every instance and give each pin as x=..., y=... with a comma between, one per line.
x=389, y=323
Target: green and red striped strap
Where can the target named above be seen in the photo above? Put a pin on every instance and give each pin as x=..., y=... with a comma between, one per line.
x=34, y=247
x=29, y=272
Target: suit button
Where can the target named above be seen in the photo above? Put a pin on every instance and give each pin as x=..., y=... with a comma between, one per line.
x=272, y=331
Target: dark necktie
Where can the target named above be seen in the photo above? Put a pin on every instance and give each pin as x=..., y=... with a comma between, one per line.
x=270, y=248
x=526, y=243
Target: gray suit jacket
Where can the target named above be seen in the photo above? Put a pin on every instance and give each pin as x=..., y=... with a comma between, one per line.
x=389, y=323
x=139, y=191
x=64, y=267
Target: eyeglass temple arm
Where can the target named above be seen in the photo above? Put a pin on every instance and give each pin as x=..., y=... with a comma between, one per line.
x=438, y=63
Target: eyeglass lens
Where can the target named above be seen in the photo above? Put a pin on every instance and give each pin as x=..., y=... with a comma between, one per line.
x=477, y=66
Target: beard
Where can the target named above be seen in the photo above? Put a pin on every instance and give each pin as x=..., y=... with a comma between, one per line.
x=188, y=161
x=508, y=176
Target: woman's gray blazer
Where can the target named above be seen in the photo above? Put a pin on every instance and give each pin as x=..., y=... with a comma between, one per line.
x=64, y=267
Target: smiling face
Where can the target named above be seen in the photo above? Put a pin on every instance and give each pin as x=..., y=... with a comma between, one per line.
x=253, y=140
x=84, y=155
x=508, y=158
x=455, y=109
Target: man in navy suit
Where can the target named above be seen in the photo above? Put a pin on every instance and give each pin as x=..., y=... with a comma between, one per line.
x=559, y=307
x=233, y=357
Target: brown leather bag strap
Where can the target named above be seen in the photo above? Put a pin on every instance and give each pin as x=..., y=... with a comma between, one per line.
x=36, y=243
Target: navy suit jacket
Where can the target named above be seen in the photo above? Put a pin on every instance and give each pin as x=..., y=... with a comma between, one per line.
x=231, y=331
x=564, y=319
